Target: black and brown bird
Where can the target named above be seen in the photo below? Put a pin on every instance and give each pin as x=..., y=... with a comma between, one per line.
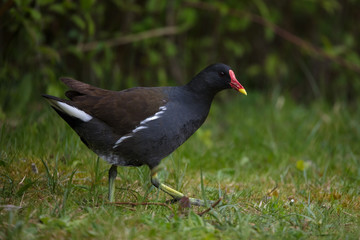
x=141, y=125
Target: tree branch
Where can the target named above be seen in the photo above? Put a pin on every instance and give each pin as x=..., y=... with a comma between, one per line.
x=280, y=32
x=157, y=32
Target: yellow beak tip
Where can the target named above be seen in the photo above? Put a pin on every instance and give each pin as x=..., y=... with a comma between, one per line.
x=243, y=91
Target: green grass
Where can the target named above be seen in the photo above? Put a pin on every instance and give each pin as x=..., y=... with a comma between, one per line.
x=247, y=147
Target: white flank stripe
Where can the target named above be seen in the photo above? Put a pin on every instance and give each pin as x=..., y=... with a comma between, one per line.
x=155, y=116
x=74, y=112
x=121, y=139
x=149, y=119
x=141, y=126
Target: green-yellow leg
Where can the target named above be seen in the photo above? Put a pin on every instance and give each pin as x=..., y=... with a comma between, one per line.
x=112, y=177
x=172, y=192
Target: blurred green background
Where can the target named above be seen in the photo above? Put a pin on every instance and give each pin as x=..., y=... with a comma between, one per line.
x=304, y=49
x=285, y=158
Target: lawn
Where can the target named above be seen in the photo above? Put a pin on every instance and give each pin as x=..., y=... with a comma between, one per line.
x=284, y=170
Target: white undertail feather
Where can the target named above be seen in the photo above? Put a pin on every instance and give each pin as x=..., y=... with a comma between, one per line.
x=141, y=126
x=71, y=111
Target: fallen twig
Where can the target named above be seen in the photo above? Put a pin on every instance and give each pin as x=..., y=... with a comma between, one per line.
x=143, y=204
x=212, y=206
x=272, y=190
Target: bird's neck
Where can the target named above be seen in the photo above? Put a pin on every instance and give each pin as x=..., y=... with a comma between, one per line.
x=201, y=89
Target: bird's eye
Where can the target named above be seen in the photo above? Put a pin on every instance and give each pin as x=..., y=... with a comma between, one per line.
x=221, y=74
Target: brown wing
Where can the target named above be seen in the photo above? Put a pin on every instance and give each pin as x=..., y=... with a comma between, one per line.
x=121, y=110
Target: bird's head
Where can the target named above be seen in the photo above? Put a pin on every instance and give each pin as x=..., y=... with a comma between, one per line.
x=217, y=77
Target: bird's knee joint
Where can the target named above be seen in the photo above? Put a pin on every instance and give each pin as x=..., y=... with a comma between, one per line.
x=155, y=182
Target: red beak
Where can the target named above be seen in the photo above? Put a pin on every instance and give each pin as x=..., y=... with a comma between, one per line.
x=235, y=83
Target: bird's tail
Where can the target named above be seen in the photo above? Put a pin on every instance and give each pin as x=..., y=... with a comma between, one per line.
x=67, y=108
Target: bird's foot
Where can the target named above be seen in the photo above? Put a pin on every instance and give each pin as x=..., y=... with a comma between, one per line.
x=192, y=201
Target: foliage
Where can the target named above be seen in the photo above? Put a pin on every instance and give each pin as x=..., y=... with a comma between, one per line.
x=89, y=40
x=285, y=158
x=295, y=175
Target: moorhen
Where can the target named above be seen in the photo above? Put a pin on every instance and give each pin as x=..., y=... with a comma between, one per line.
x=141, y=125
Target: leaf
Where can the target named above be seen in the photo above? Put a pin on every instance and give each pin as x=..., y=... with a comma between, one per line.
x=302, y=165
x=195, y=219
x=162, y=78
x=265, y=13
x=271, y=63
x=78, y=21
x=35, y=14
x=49, y=52
x=54, y=222
x=90, y=24
x=238, y=24
x=44, y=2
x=331, y=5
x=155, y=5
x=222, y=7
x=58, y=8
x=170, y=48
x=236, y=48
x=32, y=31
x=86, y=4
x=187, y=18
x=54, y=89
x=244, y=161
x=75, y=51
x=154, y=57
x=263, y=9
x=98, y=69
